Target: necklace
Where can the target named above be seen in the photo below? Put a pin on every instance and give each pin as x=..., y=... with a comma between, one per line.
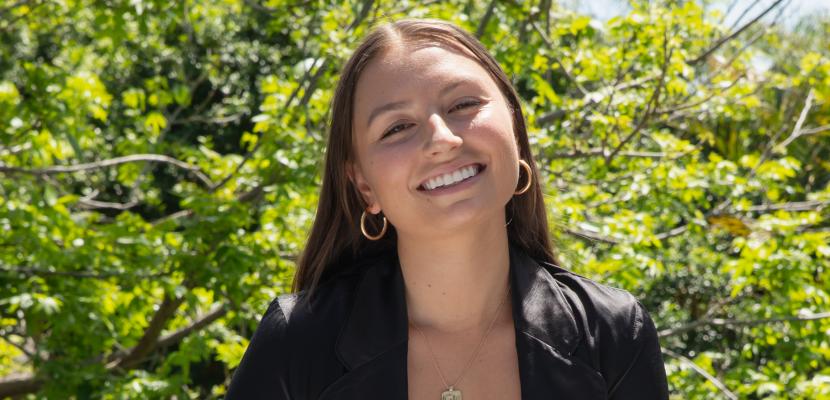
x=452, y=393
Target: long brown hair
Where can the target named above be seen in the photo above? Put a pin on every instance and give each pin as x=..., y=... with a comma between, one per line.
x=335, y=241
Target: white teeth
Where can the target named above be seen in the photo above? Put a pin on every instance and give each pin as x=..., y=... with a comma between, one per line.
x=451, y=178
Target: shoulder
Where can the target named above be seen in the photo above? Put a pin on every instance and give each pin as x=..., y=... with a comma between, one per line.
x=616, y=328
x=300, y=317
x=296, y=333
x=605, y=306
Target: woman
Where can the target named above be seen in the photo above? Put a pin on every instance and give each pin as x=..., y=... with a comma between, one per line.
x=429, y=272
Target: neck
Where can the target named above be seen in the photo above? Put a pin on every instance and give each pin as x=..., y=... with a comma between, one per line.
x=455, y=284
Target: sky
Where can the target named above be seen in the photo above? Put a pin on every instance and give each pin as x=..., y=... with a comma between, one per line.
x=605, y=9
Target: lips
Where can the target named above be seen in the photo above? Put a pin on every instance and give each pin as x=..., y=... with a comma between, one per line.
x=452, y=177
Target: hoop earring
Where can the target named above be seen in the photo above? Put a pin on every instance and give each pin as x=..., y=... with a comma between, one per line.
x=526, y=166
x=365, y=233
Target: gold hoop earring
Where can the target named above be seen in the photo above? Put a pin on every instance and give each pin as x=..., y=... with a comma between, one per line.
x=365, y=233
x=526, y=166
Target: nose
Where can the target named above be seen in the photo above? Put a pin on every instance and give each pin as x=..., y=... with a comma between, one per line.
x=441, y=138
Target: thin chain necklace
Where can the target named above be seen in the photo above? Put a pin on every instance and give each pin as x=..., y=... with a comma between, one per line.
x=452, y=393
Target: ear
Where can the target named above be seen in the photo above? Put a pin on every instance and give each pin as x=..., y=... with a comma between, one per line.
x=362, y=185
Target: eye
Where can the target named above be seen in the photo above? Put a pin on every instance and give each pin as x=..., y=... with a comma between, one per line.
x=465, y=104
x=395, y=129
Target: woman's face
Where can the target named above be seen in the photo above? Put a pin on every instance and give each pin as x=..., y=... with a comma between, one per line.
x=434, y=143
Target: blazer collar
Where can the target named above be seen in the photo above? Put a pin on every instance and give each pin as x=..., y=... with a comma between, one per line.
x=540, y=308
x=378, y=320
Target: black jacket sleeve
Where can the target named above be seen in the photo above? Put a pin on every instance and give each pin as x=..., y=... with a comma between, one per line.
x=645, y=376
x=262, y=372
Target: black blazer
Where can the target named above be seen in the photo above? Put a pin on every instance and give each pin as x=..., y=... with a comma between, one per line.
x=575, y=339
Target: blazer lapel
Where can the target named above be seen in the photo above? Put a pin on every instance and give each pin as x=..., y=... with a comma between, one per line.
x=547, y=335
x=373, y=343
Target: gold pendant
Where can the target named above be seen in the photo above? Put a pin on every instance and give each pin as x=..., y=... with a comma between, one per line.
x=451, y=394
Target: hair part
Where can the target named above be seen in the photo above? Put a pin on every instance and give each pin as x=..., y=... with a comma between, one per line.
x=335, y=240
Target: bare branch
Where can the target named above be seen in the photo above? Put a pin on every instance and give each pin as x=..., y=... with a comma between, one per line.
x=60, y=169
x=808, y=103
x=731, y=36
x=739, y=322
x=88, y=204
x=812, y=131
x=732, y=5
x=34, y=271
x=810, y=205
x=591, y=236
x=672, y=232
x=27, y=347
x=19, y=384
x=173, y=216
x=312, y=84
x=149, y=340
x=743, y=14
x=485, y=19
x=718, y=384
x=598, y=152
x=198, y=324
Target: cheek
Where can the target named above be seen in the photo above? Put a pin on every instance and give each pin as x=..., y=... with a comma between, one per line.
x=493, y=128
x=390, y=167
x=497, y=125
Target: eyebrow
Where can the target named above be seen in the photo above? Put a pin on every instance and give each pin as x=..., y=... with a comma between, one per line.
x=396, y=105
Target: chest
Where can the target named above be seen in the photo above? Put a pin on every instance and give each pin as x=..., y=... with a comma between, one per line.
x=492, y=374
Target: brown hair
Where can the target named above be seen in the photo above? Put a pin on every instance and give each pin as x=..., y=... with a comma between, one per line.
x=335, y=241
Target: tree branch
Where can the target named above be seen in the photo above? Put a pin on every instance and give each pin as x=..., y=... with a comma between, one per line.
x=582, y=234
x=739, y=322
x=200, y=323
x=653, y=102
x=20, y=384
x=149, y=340
x=718, y=384
x=29, y=353
x=808, y=103
x=809, y=205
x=34, y=271
x=60, y=169
x=598, y=152
x=482, y=25
x=743, y=14
x=731, y=36
x=812, y=131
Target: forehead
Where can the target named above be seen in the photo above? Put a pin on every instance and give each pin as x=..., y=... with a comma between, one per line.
x=405, y=72
x=423, y=59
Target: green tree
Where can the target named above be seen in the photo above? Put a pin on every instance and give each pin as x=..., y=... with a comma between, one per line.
x=159, y=167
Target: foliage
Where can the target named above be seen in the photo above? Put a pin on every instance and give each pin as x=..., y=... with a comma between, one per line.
x=160, y=166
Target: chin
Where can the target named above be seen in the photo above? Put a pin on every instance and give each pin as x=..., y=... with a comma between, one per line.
x=461, y=217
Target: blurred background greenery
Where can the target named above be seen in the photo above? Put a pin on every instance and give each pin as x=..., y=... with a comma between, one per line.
x=160, y=162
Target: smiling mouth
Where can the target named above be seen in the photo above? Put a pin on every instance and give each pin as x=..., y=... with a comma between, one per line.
x=452, y=178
